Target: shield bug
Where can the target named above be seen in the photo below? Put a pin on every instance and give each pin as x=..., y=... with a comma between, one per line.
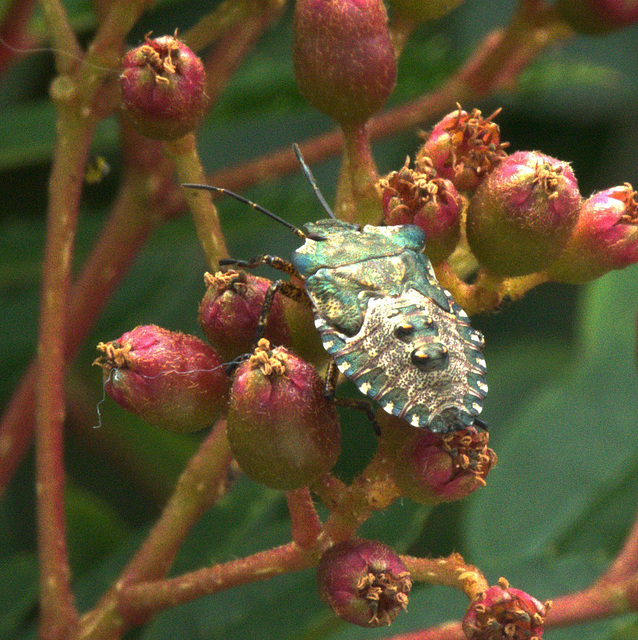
x=383, y=317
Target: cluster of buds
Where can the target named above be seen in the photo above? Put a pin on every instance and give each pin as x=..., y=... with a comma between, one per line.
x=504, y=612
x=520, y=213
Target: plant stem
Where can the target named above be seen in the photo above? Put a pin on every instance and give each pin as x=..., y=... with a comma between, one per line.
x=68, y=53
x=447, y=631
x=224, y=17
x=451, y=571
x=232, y=49
x=13, y=32
x=153, y=597
x=305, y=523
x=372, y=490
x=59, y=614
x=357, y=197
x=189, y=169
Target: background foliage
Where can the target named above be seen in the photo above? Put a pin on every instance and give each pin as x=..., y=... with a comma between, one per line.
x=563, y=403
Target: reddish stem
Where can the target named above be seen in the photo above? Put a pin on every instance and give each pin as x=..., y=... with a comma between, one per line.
x=601, y=600
x=232, y=48
x=304, y=521
x=152, y=597
x=448, y=631
x=59, y=614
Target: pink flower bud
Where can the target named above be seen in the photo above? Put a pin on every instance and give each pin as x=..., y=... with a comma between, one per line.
x=162, y=86
x=420, y=197
x=605, y=237
x=521, y=216
x=230, y=309
x=598, y=16
x=282, y=430
x=344, y=58
x=503, y=612
x=171, y=380
x=464, y=148
x=363, y=582
x=433, y=467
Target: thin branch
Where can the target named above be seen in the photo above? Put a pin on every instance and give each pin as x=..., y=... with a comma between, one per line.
x=153, y=597
x=59, y=614
x=68, y=53
x=304, y=521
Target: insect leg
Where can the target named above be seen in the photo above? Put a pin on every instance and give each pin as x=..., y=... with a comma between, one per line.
x=360, y=405
x=332, y=375
x=330, y=383
x=272, y=261
x=292, y=291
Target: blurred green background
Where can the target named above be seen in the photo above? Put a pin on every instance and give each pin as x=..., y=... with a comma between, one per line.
x=563, y=402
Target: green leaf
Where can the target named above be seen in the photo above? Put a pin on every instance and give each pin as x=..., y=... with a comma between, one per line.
x=572, y=448
x=94, y=528
x=18, y=590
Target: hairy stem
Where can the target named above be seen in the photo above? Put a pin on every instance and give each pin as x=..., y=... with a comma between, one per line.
x=357, y=197
x=58, y=610
x=305, y=523
x=451, y=571
x=189, y=169
x=153, y=597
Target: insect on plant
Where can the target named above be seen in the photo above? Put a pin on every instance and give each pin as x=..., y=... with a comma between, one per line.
x=383, y=317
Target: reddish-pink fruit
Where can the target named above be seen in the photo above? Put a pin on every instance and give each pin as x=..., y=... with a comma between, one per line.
x=162, y=85
x=420, y=197
x=363, y=582
x=432, y=468
x=282, y=430
x=171, y=380
x=464, y=147
x=604, y=238
x=230, y=309
x=595, y=17
x=520, y=218
x=502, y=612
x=344, y=59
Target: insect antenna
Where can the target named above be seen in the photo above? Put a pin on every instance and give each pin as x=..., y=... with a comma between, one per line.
x=312, y=181
x=255, y=206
